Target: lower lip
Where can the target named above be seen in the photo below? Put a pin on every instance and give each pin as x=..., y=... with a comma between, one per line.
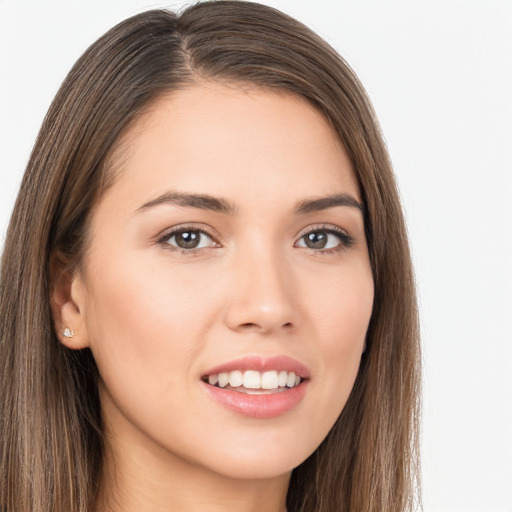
x=265, y=406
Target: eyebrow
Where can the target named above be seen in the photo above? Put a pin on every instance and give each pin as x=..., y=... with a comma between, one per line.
x=202, y=201
x=323, y=203
x=220, y=205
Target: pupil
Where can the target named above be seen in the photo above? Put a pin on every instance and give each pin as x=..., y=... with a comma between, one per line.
x=187, y=239
x=316, y=240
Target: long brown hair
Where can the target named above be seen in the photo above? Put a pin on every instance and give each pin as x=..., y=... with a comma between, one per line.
x=51, y=447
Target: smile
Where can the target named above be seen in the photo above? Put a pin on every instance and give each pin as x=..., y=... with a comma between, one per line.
x=252, y=381
x=258, y=387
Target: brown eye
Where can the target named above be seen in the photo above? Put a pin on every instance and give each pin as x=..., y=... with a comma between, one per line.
x=325, y=240
x=316, y=240
x=189, y=239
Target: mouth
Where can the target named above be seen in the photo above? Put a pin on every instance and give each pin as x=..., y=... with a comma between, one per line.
x=258, y=387
x=254, y=382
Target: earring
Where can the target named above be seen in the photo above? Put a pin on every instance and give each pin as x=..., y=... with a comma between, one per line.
x=68, y=333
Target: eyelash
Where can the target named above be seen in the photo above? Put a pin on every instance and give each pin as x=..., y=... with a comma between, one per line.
x=164, y=239
x=346, y=241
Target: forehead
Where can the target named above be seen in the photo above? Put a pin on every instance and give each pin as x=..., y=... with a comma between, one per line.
x=217, y=138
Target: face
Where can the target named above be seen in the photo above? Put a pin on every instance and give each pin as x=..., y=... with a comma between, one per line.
x=227, y=289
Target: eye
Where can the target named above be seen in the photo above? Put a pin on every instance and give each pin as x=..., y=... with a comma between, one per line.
x=187, y=239
x=325, y=239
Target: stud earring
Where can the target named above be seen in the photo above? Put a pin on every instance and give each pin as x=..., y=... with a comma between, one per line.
x=68, y=333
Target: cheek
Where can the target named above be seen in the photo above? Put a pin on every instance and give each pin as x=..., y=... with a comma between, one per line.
x=341, y=310
x=145, y=331
x=342, y=314
x=347, y=319
x=142, y=316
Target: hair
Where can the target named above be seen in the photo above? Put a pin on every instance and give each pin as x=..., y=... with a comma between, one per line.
x=51, y=446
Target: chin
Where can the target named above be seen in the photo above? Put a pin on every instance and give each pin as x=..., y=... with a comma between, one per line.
x=262, y=460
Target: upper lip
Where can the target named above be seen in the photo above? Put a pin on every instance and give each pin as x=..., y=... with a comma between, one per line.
x=261, y=364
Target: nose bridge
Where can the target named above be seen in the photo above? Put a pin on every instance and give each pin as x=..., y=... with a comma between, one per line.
x=262, y=297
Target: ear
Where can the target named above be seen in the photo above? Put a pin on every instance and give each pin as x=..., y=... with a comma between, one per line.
x=67, y=302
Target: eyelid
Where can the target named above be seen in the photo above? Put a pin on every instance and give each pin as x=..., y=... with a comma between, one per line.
x=346, y=240
x=322, y=227
x=202, y=228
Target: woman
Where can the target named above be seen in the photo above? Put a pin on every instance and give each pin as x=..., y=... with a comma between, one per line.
x=207, y=300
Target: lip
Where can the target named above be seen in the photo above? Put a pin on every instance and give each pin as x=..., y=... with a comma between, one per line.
x=262, y=364
x=259, y=406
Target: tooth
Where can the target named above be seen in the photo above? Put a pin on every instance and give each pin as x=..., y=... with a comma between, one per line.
x=290, y=382
x=236, y=379
x=223, y=379
x=269, y=380
x=252, y=379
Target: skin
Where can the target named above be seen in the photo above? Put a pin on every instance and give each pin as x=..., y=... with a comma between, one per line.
x=156, y=318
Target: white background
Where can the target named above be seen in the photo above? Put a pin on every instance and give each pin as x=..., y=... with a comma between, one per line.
x=440, y=77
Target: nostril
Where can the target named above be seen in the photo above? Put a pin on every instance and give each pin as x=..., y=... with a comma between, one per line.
x=252, y=326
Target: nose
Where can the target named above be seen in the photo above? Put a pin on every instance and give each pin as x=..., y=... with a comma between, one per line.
x=263, y=295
